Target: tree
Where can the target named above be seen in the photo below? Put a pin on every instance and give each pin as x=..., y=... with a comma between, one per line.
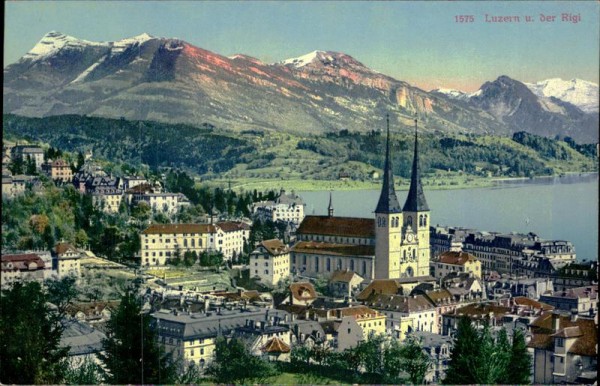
x=80, y=161
x=81, y=238
x=414, y=361
x=519, y=365
x=463, y=354
x=235, y=364
x=16, y=166
x=30, y=166
x=86, y=373
x=30, y=331
x=62, y=292
x=132, y=353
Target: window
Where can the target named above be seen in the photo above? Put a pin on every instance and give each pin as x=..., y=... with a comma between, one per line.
x=560, y=342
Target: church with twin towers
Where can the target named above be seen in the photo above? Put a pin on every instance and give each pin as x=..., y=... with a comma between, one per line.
x=394, y=244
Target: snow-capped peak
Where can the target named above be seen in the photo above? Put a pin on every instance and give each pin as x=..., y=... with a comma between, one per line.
x=455, y=94
x=580, y=93
x=121, y=45
x=303, y=60
x=54, y=41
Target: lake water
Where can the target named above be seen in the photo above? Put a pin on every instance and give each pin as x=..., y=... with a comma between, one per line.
x=561, y=208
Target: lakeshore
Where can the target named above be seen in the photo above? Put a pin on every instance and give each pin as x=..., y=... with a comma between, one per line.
x=448, y=182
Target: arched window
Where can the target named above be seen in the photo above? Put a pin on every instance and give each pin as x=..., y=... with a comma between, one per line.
x=409, y=272
x=351, y=264
x=404, y=254
x=421, y=220
x=328, y=264
x=316, y=263
x=414, y=253
x=364, y=267
x=425, y=220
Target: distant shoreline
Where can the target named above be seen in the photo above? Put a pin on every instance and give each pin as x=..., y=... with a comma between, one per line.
x=450, y=183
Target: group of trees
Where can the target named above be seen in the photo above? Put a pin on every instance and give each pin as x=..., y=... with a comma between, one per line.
x=204, y=259
x=33, y=320
x=136, y=142
x=377, y=360
x=37, y=220
x=479, y=358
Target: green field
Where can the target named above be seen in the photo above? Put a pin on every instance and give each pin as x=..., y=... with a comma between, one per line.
x=285, y=378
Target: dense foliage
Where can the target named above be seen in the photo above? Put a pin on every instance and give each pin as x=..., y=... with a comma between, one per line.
x=29, y=347
x=234, y=364
x=211, y=153
x=135, y=142
x=375, y=361
x=132, y=354
x=479, y=358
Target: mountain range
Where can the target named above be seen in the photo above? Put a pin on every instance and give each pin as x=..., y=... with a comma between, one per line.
x=170, y=80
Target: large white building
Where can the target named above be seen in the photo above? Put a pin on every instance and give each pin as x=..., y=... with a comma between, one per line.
x=270, y=262
x=287, y=207
x=161, y=242
x=395, y=244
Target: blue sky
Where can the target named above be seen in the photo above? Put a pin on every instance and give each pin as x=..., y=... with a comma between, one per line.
x=419, y=42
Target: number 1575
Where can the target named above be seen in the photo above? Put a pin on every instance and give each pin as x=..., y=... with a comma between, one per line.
x=464, y=18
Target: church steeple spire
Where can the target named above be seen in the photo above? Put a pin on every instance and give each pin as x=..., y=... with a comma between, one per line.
x=330, y=207
x=388, y=202
x=415, y=202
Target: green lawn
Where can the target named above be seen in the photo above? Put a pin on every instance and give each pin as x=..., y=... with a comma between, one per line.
x=285, y=378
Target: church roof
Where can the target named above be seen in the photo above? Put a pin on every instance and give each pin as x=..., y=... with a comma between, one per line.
x=338, y=226
x=388, y=202
x=320, y=248
x=415, y=201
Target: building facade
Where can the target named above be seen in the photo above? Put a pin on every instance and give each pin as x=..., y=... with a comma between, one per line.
x=457, y=262
x=287, y=207
x=270, y=262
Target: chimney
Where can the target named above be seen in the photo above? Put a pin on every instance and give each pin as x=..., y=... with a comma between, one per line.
x=555, y=321
x=574, y=313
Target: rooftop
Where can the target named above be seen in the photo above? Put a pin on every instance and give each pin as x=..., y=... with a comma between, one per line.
x=178, y=228
x=338, y=226
x=586, y=334
x=456, y=258
x=321, y=248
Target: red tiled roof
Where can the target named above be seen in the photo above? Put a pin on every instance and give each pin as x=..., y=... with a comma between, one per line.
x=399, y=303
x=456, y=258
x=320, y=248
x=524, y=301
x=481, y=310
x=345, y=276
x=303, y=291
x=338, y=226
x=276, y=345
x=275, y=247
x=543, y=334
x=178, y=228
x=380, y=286
x=21, y=262
x=61, y=248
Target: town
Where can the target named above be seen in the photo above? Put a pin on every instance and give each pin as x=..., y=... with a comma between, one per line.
x=133, y=275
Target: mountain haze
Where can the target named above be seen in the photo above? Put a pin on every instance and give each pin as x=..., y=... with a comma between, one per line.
x=170, y=80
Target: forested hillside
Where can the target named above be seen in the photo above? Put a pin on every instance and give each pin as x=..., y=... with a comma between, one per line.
x=218, y=153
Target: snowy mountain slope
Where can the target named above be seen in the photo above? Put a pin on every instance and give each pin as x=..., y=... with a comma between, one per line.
x=580, y=93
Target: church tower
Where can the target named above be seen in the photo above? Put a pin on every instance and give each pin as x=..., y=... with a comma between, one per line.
x=388, y=223
x=416, y=215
